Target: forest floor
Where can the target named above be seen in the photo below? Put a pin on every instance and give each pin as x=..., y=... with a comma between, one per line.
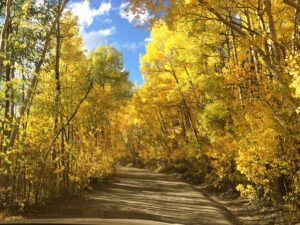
x=250, y=213
x=142, y=194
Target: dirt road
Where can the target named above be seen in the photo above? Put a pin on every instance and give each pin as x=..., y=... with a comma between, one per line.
x=142, y=194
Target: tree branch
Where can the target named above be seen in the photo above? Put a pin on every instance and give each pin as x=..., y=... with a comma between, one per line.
x=34, y=81
x=292, y=4
x=69, y=120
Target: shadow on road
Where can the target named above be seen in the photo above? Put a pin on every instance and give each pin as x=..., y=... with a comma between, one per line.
x=142, y=194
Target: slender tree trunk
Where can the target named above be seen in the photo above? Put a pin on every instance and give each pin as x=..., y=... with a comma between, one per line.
x=7, y=122
x=30, y=93
x=234, y=48
x=58, y=120
x=57, y=86
x=296, y=31
x=6, y=125
x=187, y=109
x=4, y=33
x=273, y=36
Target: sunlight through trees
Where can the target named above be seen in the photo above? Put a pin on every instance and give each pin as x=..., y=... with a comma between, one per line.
x=219, y=102
x=220, y=99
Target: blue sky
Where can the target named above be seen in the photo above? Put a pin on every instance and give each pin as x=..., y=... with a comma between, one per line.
x=106, y=22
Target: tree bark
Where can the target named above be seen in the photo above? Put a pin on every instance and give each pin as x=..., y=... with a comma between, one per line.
x=272, y=34
x=4, y=32
x=292, y=4
x=34, y=81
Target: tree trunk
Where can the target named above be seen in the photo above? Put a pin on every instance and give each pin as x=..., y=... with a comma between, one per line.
x=4, y=32
x=30, y=93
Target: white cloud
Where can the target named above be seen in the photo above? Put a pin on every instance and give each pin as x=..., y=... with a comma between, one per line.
x=126, y=15
x=86, y=14
x=107, y=20
x=131, y=46
x=147, y=40
x=93, y=39
x=138, y=17
x=39, y=3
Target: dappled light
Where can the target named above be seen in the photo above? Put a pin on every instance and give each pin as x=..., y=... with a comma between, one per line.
x=141, y=194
